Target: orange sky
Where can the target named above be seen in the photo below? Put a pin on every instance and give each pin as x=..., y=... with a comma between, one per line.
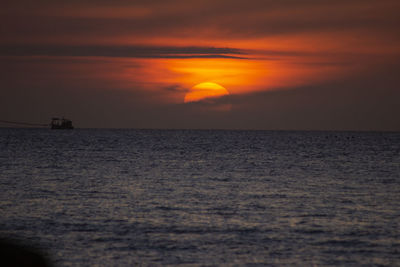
x=161, y=49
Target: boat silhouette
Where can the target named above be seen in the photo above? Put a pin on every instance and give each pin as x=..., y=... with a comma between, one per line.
x=61, y=123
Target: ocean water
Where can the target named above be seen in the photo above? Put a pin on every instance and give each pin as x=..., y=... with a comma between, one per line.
x=202, y=197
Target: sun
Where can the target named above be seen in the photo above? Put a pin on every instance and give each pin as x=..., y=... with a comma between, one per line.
x=205, y=90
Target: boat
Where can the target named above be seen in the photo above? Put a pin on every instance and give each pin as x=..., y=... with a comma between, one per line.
x=61, y=123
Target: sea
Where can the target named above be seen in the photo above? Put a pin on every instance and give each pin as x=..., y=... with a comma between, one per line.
x=127, y=197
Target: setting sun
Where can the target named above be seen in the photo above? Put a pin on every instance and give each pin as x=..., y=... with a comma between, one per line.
x=205, y=90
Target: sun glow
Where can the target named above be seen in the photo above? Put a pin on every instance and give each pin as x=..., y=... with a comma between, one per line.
x=205, y=90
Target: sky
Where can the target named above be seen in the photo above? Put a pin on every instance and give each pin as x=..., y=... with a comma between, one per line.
x=278, y=65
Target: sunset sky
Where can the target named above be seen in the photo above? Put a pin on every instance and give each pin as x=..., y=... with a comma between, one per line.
x=285, y=65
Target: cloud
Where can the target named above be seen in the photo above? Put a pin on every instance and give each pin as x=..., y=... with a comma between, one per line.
x=365, y=102
x=176, y=88
x=224, y=19
x=121, y=51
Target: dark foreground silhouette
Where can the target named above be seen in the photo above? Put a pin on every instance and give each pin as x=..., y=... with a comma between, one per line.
x=15, y=254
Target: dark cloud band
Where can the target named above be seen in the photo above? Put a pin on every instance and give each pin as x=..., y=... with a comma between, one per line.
x=122, y=51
